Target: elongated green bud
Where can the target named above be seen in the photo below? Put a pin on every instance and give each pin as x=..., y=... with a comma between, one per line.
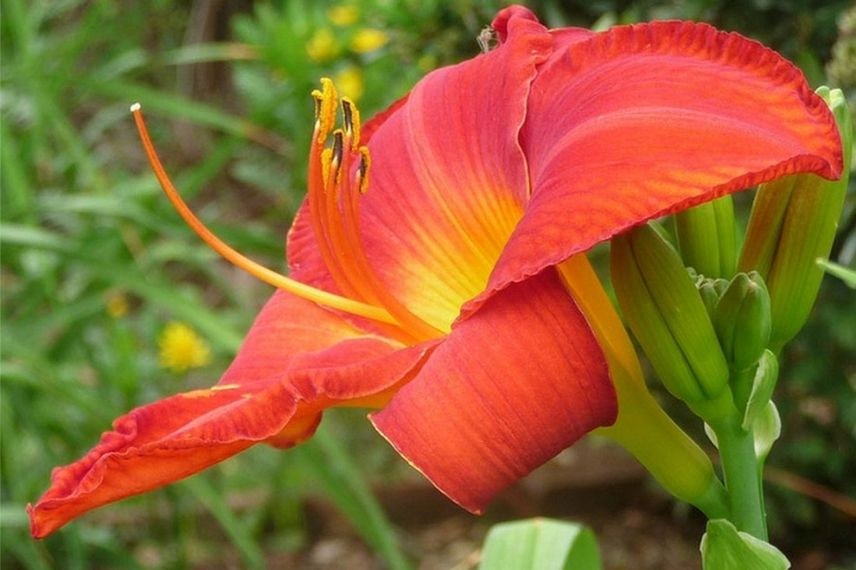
x=742, y=320
x=666, y=314
x=707, y=237
x=792, y=224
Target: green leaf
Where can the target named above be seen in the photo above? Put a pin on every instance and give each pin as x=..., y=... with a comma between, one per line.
x=723, y=547
x=540, y=544
x=844, y=273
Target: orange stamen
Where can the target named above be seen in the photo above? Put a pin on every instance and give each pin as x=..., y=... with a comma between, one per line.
x=350, y=224
x=336, y=217
x=260, y=272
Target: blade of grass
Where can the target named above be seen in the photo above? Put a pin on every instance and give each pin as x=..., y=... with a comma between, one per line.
x=149, y=288
x=334, y=468
x=186, y=109
x=207, y=52
x=16, y=188
x=238, y=534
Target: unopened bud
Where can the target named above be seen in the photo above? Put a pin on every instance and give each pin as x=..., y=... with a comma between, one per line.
x=792, y=224
x=710, y=290
x=742, y=320
x=666, y=314
x=707, y=237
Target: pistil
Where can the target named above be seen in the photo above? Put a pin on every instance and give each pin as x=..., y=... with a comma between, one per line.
x=262, y=273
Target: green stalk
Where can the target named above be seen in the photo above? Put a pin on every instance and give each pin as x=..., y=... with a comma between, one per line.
x=645, y=430
x=742, y=477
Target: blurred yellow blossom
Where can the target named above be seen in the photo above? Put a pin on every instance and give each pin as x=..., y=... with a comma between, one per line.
x=343, y=14
x=368, y=39
x=117, y=305
x=349, y=82
x=182, y=349
x=322, y=46
x=427, y=62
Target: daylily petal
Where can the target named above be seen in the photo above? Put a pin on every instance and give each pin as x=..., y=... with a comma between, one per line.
x=641, y=121
x=161, y=443
x=513, y=385
x=297, y=360
x=562, y=37
x=286, y=326
x=447, y=177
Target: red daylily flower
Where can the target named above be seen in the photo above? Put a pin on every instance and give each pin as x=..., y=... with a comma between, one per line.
x=444, y=308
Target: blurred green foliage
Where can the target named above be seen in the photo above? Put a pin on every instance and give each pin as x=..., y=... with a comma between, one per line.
x=95, y=263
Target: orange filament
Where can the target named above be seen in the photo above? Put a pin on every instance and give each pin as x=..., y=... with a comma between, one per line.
x=270, y=277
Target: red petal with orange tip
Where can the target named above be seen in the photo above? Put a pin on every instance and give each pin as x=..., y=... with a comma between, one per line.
x=513, y=385
x=645, y=120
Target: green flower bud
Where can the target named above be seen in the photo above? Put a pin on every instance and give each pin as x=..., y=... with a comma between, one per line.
x=742, y=320
x=666, y=314
x=707, y=237
x=710, y=291
x=792, y=224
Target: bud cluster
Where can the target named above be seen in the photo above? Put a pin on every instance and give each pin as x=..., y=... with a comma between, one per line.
x=712, y=322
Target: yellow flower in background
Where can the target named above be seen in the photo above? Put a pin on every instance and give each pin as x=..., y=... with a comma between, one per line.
x=181, y=348
x=368, y=39
x=349, y=81
x=322, y=46
x=117, y=305
x=343, y=15
x=427, y=62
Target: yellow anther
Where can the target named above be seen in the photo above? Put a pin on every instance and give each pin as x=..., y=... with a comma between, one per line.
x=326, y=163
x=363, y=171
x=326, y=100
x=351, y=116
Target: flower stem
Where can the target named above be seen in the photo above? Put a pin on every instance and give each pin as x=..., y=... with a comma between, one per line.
x=742, y=477
x=666, y=451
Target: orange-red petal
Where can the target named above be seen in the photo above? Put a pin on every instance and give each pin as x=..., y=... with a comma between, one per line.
x=297, y=360
x=513, y=385
x=161, y=443
x=645, y=120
